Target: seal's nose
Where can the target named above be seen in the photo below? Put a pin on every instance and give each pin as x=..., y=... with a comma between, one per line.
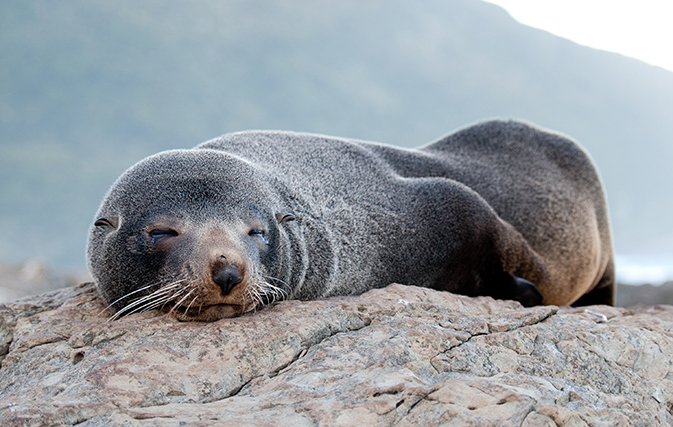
x=227, y=277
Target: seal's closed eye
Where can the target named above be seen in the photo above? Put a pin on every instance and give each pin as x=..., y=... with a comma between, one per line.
x=161, y=233
x=112, y=221
x=282, y=217
x=258, y=232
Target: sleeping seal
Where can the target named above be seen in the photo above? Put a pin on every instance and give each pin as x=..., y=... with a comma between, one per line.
x=500, y=208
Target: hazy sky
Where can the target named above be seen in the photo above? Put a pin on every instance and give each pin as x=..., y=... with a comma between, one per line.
x=641, y=29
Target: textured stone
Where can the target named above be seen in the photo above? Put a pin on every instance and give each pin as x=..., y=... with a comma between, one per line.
x=396, y=356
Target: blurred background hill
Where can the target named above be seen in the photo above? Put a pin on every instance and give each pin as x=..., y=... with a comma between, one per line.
x=87, y=88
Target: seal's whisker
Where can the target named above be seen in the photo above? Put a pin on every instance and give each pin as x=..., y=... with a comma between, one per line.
x=274, y=279
x=147, y=304
x=154, y=295
x=161, y=296
x=257, y=294
x=131, y=293
x=161, y=290
x=135, y=307
x=162, y=300
x=270, y=289
x=193, y=301
x=265, y=289
x=255, y=298
x=181, y=300
x=150, y=305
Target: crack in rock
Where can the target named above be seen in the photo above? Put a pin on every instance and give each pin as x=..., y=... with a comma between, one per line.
x=467, y=327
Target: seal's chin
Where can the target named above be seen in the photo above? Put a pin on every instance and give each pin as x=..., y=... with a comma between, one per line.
x=209, y=313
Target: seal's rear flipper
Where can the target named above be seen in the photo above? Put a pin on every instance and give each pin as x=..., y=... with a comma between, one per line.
x=524, y=292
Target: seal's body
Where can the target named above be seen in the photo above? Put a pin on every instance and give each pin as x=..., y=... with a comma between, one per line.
x=500, y=208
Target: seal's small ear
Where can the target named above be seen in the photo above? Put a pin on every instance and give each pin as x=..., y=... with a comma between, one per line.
x=110, y=221
x=282, y=217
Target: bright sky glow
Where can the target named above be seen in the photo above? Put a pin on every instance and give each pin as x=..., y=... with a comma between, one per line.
x=641, y=29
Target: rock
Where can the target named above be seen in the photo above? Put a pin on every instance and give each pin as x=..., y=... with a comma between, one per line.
x=401, y=355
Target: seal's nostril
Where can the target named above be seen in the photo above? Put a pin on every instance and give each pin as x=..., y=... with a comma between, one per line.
x=226, y=278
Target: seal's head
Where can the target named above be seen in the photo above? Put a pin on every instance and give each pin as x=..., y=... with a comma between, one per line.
x=195, y=232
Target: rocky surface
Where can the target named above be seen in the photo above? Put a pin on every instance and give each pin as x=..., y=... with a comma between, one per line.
x=396, y=356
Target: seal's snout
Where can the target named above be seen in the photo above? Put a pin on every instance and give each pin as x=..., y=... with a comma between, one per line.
x=226, y=276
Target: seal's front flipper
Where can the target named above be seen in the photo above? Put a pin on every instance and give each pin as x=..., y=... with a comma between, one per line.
x=523, y=291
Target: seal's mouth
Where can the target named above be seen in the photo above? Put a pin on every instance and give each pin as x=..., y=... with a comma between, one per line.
x=191, y=301
x=208, y=313
x=247, y=296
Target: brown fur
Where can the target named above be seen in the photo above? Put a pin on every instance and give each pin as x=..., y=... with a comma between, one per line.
x=500, y=208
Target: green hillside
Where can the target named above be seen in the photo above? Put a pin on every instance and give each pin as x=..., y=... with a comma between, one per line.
x=89, y=87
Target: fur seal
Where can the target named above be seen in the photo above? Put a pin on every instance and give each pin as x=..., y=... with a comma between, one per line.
x=500, y=208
